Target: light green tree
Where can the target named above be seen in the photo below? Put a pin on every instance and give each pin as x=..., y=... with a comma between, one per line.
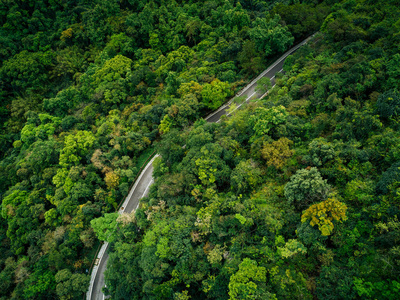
x=215, y=93
x=248, y=282
x=105, y=227
x=265, y=119
x=76, y=146
x=111, y=79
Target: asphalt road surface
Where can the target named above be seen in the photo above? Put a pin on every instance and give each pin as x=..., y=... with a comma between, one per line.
x=141, y=187
x=138, y=191
x=250, y=90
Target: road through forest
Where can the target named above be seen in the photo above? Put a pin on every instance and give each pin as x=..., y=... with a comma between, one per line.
x=141, y=187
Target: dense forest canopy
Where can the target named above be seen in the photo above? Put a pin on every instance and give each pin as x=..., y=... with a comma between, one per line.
x=294, y=197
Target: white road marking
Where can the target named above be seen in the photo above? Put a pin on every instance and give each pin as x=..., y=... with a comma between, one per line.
x=147, y=187
x=128, y=198
x=144, y=193
x=239, y=105
x=94, y=271
x=249, y=97
x=267, y=92
x=286, y=54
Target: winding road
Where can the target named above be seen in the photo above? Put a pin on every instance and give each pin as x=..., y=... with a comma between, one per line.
x=141, y=187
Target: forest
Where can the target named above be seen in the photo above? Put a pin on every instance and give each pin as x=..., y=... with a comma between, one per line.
x=295, y=196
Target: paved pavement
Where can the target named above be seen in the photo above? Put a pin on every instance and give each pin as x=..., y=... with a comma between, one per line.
x=141, y=187
x=138, y=191
x=250, y=90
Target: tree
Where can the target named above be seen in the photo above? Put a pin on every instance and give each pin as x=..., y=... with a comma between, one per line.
x=27, y=70
x=250, y=60
x=245, y=176
x=39, y=284
x=393, y=72
x=277, y=152
x=291, y=248
x=339, y=27
x=320, y=152
x=71, y=286
x=389, y=177
x=324, y=213
x=306, y=186
x=43, y=154
x=249, y=282
x=76, y=146
x=112, y=180
x=270, y=36
x=208, y=165
x=266, y=119
x=184, y=111
x=302, y=19
x=215, y=93
x=388, y=104
x=17, y=208
x=45, y=130
x=263, y=85
x=105, y=227
x=110, y=81
x=335, y=283
x=65, y=99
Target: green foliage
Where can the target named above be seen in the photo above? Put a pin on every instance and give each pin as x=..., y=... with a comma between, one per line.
x=39, y=284
x=390, y=176
x=76, y=147
x=197, y=239
x=306, y=186
x=111, y=79
x=292, y=247
x=245, y=177
x=388, y=104
x=266, y=119
x=360, y=192
x=66, y=99
x=335, y=283
x=105, y=227
x=320, y=152
x=269, y=36
x=381, y=289
x=46, y=129
x=247, y=282
x=215, y=93
x=324, y=213
x=71, y=286
x=302, y=18
x=85, y=90
x=27, y=70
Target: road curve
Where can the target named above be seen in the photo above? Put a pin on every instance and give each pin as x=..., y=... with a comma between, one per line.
x=141, y=187
x=137, y=192
x=249, y=91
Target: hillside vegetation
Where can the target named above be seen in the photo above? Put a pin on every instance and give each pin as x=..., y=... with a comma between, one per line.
x=294, y=197
x=86, y=87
